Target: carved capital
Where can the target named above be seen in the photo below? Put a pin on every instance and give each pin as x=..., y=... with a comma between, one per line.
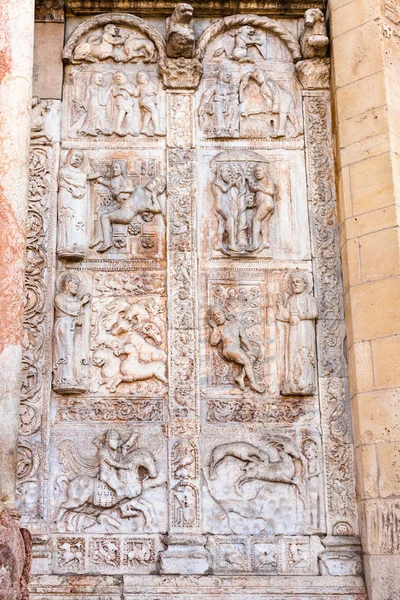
x=183, y=73
x=314, y=73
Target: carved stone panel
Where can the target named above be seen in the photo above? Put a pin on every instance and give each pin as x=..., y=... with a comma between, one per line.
x=185, y=423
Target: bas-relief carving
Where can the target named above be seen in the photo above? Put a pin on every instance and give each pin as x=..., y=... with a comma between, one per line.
x=106, y=102
x=69, y=346
x=247, y=487
x=49, y=10
x=299, y=311
x=179, y=33
x=115, y=488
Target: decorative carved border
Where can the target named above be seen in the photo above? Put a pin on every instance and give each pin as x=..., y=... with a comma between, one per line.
x=332, y=371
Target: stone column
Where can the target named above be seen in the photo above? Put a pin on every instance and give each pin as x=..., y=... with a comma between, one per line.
x=365, y=38
x=16, y=59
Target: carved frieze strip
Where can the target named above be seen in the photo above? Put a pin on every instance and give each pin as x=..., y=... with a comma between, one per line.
x=282, y=412
x=104, y=144
x=112, y=265
x=180, y=110
x=106, y=554
x=38, y=317
x=107, y=410
x=339, y=456
x=203, y=8
x=51, y=11
x=256, y=143
x=333, y=384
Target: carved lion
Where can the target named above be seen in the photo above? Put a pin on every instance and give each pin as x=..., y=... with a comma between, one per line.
x=314, y=40
x=180, y=36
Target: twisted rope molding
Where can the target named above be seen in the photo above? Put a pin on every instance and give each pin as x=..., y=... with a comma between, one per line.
x=223, y=25
x=119, y=19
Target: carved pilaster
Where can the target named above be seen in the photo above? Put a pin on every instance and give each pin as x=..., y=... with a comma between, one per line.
x=333, y=384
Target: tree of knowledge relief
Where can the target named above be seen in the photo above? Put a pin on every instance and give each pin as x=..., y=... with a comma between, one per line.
x=194, y=386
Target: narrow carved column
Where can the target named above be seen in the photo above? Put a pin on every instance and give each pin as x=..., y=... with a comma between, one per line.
x=16, y=52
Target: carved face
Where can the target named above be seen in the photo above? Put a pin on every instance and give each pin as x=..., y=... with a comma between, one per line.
x=310, y=450
x=184, y=13
x=142, y=77
x=112, y=439
x=72, y=287
x=98, y=78
x=76, y=158
x=259, y=172
x=116, y=169
x=298, y=284
x=218, y=316
x=120, y=77
x=225, y=173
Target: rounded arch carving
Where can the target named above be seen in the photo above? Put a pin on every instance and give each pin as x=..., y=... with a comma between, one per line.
x=116, y=19
x=223, y=25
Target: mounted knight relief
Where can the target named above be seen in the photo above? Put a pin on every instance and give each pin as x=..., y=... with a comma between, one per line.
x=185, y=407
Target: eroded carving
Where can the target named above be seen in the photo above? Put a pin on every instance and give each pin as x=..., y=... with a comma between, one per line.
x=38, y=123
x=314, y=40
x=68, y=344
x=184, y=460
x=219, y=107
x=179, y=33
x=300, y=311
x=111, y=478
x=245, y=39
x=185, y=505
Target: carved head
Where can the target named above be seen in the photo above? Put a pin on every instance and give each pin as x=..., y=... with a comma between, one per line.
x=142, y=77
x=312, y=16
x=112, y=439
x=69, y=284
x=120, y=77
x=183, y=14
x=112, y=29
x=259, y=172
x=217, y=314
x=224, y=76
x=150, y=330
x=97, y=78
x=224, y=172
x=75, y=157
x=298, y=282
x=310, y=449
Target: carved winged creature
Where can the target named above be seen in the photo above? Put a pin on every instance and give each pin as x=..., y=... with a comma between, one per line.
x=115, y=476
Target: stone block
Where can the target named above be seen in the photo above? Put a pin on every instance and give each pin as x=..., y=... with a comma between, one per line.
x=371, y=184
x=380, y=254
x=383, y=576
x=351, y=263
x=366, y=471
x=358, y=52
x=385, y=351
x=359, y=96
x=389, y=468
x=376, y=220
x=47, y=60
x=376, y=416
x=361, y=150
x=365, y=125
x=348, y=16
x=361, y=374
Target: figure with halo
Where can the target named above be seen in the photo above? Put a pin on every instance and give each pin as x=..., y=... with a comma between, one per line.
x=299, y=310
x=68, y=320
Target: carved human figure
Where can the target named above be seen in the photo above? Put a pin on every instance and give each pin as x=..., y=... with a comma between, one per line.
x=219, y=107
x=314, y=40
x=314, y=470
x=300, y=311
x=122, y=113
x=184, y=505
x=100, y=46
x=69, y=316
x=230, y=333
x=72, y=185
x=229, y=192
x=38, y=113
x=146, y=91
x=179, y=33
x=245, y=37
x=115, y=476
x=260, y=207
x=278, y=101
x=95, y=106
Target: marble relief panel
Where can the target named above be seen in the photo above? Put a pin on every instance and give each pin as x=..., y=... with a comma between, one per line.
x=249, y=89
x=267, y=481
x=254, y=204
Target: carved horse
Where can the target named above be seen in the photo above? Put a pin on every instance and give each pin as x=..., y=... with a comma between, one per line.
x=88, y=495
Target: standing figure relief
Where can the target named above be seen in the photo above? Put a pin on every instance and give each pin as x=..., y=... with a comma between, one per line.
x=299, y=310
x=69, y=319
x=113, y=104
x=219, y=107
x=244, y=203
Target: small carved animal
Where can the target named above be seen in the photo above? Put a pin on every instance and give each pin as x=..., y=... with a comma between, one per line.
x=314, y=40
x=180, y=36
x=137, y=49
